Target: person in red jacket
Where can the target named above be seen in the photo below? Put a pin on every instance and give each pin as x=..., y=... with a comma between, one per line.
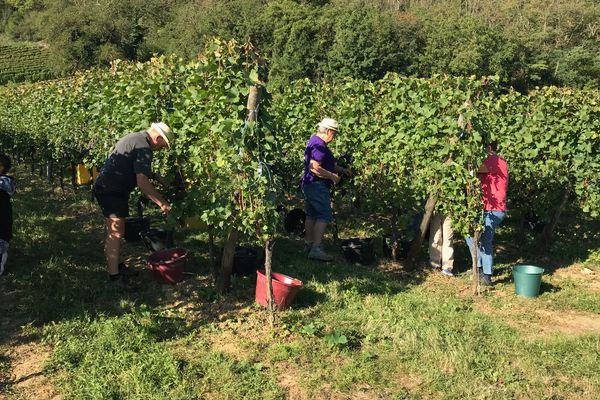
x=493, y=176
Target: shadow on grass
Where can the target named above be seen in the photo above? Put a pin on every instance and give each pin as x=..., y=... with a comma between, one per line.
x=56, y=269
x=379, y=278
x=575, y=239
x=56, y=266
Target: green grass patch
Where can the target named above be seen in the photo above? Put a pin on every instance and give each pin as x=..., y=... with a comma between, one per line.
x=353, y=331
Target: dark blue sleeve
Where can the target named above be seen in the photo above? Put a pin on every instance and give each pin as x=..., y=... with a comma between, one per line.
x=142, y=162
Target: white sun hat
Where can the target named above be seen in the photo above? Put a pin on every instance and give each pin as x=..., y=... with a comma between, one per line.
x=163, y=129
x=329, y=123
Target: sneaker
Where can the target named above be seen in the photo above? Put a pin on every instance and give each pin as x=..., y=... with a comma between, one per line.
x=447, y=272
x=434, y=266
x=307, y=247
x=317, y=253
x=126, y=271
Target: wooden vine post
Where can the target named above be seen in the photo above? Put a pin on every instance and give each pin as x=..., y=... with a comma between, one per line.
x=224, y=279
x=268, y=269
x=415, y=246
x=475, y=257
x=474, y=250
x=253, y=102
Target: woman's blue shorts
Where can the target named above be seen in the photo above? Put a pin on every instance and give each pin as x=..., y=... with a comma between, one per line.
x=317, y=202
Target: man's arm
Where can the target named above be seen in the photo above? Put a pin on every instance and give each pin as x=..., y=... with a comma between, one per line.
x=317, y=170
x=160, y=180
x=148, y=189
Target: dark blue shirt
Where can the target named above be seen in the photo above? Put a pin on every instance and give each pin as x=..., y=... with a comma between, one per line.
x=131, y=155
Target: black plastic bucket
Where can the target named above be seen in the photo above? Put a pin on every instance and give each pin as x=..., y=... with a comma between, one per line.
x=294, y=222
x=157, y=239
x=133, y=227
x=359, y=250
x=245, y=261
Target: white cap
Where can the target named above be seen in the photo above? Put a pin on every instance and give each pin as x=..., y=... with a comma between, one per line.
x=329, y=123
x=163, y=129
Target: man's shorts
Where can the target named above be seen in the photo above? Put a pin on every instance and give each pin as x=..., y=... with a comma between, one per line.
x=317, y=202
x=113, y=205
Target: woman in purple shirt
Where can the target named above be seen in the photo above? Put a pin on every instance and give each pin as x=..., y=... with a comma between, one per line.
x=320, y=171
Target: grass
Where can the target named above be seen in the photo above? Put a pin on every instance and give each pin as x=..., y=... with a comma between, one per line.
x=353, y=332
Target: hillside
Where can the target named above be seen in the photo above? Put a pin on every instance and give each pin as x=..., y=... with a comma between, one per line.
x=23, y=62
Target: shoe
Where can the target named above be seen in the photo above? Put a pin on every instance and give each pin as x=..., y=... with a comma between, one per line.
x=126, y=271
x=307, y=247
x=485, y=279
x=317, y=253
x=447, y=272
x=434, y=267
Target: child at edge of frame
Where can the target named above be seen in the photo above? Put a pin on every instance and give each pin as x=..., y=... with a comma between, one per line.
x=7, y=191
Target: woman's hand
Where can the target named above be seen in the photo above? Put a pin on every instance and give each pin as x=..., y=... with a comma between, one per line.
x=165, y=208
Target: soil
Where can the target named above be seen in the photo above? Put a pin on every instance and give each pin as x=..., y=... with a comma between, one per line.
x=538, y=323
x=582, y=276
x=27, y=377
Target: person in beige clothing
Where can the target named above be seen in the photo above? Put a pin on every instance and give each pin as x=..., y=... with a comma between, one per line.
x=441, y=252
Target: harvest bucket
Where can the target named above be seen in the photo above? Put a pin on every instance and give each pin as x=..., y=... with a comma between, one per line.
x=245, y=261
x=83, y=176
x=359, y=250
x=285, y=289
x=294, y=221
x=167, y=265
x=133, y=227
x=157, y=239
x=527, y=280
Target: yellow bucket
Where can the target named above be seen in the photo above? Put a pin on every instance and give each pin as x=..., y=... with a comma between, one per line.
x=82, y=175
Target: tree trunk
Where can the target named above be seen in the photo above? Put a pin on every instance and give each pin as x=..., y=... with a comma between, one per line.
x=415, y=247
x=224, y=280
x=546, y=235
x=61, y=176
x=336, y=232
x=474, y=258
x=268, y=269
x=394, y=239
x=73, y=174
x=50, y=171
x=214, y=267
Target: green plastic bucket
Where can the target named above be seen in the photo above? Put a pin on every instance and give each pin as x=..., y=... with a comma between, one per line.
x=528, y=279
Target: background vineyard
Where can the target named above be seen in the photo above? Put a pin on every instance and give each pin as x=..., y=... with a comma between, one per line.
x=352, y=329
x=23, y=62
x=404, y=134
